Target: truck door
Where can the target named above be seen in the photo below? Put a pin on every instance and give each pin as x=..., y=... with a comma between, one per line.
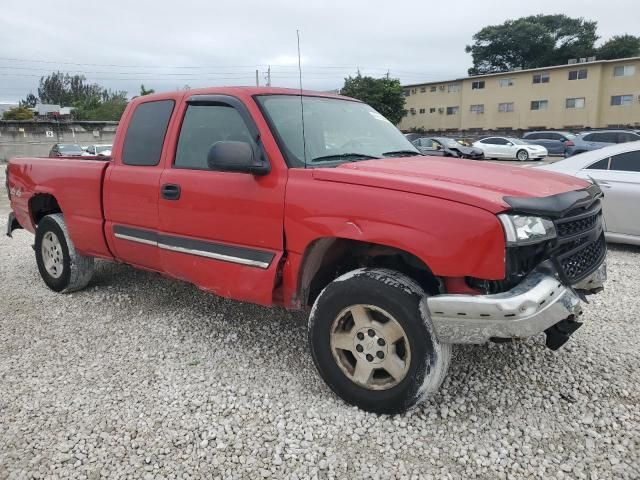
x=221, y=230
x=131, y=187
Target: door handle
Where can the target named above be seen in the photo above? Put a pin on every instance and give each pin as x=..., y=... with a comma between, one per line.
x=170, y=191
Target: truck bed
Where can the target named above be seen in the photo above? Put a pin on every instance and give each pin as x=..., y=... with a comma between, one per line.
x=76, y=185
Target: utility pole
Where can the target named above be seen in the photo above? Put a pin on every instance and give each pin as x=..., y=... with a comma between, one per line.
x=268, y=76
x=257, y=79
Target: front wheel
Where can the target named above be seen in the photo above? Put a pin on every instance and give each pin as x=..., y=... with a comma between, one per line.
x=61, y=267
x=373, y=342
x=522, y=155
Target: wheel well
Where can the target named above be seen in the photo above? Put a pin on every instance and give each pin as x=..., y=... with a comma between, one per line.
x=328, y=258
x=42, y=205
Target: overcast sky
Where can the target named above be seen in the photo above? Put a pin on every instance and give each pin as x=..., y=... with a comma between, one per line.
x=167, y=45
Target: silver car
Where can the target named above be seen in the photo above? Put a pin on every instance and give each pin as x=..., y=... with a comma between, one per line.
x=617, y=170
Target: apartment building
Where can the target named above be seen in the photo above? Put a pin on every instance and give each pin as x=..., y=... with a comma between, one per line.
x=585, y=93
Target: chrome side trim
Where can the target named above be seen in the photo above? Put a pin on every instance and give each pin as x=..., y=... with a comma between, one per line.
x=122, y=236
x=215, y=256
x=202, y=248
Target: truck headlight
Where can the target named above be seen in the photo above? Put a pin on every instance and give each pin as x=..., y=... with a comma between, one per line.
x=525, y=230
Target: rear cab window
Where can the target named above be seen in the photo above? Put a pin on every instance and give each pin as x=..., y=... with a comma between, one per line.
x=145, y=133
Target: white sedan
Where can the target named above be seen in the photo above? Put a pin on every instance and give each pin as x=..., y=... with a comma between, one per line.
x=510, y=148
x=616, y=169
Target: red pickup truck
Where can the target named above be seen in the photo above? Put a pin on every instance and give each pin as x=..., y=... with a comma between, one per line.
x=397, y=255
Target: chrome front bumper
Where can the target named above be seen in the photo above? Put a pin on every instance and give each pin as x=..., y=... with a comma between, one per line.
x=536, y=304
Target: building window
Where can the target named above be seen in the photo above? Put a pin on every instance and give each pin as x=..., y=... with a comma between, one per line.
x=407, y=93
x=506, y=82
x=578, y=74
x=423, y=89
x=575, y=102
x=477, y=108
x=453, y=87
x=539, y=104
x=541, y=77
x=617, y=100
x=432, y=110
x=477, y=85
x=412, y=111
x=505, y=107
x=452, y=110
x=414, y=91
x=433, y=89
x=624, y=71
x=422, y=110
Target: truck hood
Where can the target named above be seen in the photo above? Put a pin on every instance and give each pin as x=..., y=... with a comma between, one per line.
x=480, y=184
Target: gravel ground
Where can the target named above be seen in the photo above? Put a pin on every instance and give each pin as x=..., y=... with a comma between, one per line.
x=144, y=377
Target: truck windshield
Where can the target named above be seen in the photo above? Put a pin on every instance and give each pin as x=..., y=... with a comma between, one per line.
x=335, y=131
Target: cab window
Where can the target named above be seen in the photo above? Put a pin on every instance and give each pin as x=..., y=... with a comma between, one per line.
x=204, y=125
x=145, y=133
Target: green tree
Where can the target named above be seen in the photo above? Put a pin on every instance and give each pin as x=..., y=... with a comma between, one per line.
x=30, y=101
x=620, y=46
x=90, y=101
x=384, y=94
x=144, y=91
x=109, y=105
x=64, y=89
x=18, y=113
x=531, y=42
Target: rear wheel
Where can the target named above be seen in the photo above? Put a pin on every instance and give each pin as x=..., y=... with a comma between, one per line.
x=373, y=342
x=61, y=267
x=522, y=155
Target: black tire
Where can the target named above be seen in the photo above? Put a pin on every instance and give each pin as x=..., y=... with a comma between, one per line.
x=405, y=300
x=522, y=153
x=77, y=269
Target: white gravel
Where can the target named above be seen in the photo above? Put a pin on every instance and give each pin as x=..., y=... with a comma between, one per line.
x=144, y=377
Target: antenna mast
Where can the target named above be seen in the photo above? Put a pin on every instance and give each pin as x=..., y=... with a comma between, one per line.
x=304, y=141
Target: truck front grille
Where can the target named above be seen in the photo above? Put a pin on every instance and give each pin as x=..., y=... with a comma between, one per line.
x=566, y=228
x=581, y=245
x=580, y=264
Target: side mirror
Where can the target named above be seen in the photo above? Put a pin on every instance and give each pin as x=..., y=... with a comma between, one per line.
x=509, y=144
x=231, y=156
x=438, y=147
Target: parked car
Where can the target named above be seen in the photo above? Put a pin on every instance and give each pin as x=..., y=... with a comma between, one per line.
x=102, y=150
x=509, y=148
x=395, y=257
x=592, y=140
x=556, y=142
x=446, y=147
x=66, y=150
x=616, y=169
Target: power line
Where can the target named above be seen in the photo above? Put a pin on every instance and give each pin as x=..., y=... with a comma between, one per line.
x=201, y=67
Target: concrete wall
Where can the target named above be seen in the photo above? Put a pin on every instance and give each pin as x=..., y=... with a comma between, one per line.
x=35, y=138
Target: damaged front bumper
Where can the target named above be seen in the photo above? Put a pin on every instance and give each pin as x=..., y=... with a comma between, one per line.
x=540, y=303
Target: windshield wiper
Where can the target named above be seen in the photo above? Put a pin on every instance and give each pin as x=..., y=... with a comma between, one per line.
x=350, y=157
x=400, y=153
